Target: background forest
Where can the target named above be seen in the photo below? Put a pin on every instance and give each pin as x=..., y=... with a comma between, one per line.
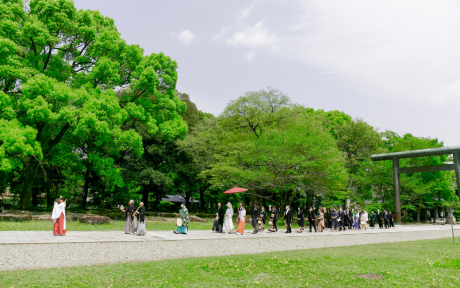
x=85, y=115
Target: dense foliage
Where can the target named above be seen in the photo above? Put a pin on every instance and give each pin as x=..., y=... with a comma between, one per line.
x=87, y=116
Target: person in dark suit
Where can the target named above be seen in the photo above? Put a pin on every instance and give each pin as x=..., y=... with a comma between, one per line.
x=390, y=219
x=386, y=218
x=220, y=217
x=341, y=221
x=380, y=218
x=288, y=219
x=311, y=218
x=255, y=216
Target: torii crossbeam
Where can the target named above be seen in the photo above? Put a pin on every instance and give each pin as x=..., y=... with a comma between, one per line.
x=455, y=150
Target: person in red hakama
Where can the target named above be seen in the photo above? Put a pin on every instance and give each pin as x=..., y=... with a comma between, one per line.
x=58, y=217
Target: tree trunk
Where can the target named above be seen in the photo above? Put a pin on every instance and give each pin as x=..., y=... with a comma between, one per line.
x=34, y=197
x=27, y=190
x=85, y=188
x=418, y=213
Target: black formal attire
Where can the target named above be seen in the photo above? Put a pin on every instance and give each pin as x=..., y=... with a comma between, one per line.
x=220, y=220
x=262, y=217
x=288, y=220
x=311, y=219
x=380, y=218
x=334, y=220
x=255, y=215
x=386, y=219
x=301, y=218
x=390, y=218
x=329, y=218
x=130, y=211
x=342, y=220
x=277, y=216
x=349, y=219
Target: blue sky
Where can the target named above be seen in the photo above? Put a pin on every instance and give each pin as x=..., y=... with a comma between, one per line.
x=396, y=64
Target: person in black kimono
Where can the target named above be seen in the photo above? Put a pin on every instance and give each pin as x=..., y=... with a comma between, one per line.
x=220, y=217
x=288, y=219
x=262, y=218
x=255, y=215
x=130, y=222
x=140, y=213
x=311, y=218
x=345, y=219
x=301, y=219
x=276, y=214
x=380, y=218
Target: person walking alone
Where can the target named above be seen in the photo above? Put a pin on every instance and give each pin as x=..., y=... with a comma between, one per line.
x=255, y=215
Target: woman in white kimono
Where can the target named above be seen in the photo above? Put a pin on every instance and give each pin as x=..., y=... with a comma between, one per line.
x=228, y=222
x=58, y=216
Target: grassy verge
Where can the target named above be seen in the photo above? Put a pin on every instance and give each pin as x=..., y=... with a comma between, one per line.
x=427, y=263
x=114, y=225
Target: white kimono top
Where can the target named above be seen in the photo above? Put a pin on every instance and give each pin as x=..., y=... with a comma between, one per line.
x=241, y=214
x=58, y=209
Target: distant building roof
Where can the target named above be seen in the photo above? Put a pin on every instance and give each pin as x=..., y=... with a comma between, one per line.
x=176, y=199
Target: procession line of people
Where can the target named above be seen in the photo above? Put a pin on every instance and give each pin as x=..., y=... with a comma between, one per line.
x=337, y=220
x=323, y=219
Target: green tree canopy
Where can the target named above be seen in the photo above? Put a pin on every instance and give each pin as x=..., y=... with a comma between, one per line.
x=60, y=68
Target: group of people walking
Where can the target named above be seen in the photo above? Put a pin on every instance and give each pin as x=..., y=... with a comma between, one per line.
x=130, y=222
x=340, y=220
x=320, y=220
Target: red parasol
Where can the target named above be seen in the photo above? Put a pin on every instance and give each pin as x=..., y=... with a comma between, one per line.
x=235, y=190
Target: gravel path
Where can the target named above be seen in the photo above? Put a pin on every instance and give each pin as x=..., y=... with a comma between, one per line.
x=38, y=256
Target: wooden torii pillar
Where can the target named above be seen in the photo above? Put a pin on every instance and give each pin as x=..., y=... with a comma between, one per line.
x=455, y=151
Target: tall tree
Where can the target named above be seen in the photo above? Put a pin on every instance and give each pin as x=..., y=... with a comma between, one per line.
x=257, y=110
x=56, y=62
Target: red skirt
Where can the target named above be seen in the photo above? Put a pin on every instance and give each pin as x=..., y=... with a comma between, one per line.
x=241, y=225
x=59, y=226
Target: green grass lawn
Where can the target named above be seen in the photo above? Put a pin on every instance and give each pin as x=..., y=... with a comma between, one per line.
x=427, y=263
x=114, y=225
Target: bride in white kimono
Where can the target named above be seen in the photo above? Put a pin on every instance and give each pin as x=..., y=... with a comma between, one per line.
x=228, y=222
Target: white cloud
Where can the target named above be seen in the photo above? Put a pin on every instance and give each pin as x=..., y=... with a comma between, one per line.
x=245, y=13
x=222, y=33
x=186, y=36
x=389, y=50
x=249, y=56
x=257, y=36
